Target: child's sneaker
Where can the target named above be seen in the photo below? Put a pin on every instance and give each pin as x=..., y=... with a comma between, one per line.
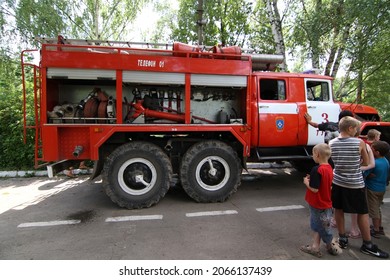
x=380, y=231
x=374, y=251
x=343, y=242
x=375, y=233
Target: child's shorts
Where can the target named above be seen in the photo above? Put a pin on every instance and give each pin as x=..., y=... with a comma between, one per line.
x=374, y=200
x=349, y=200
x=320, y=223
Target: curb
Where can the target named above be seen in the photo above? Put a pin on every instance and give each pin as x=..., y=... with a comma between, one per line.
x=12, y=174
x=41, y=173
x=44, y=173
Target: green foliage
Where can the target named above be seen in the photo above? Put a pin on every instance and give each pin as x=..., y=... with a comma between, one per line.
x=376, y=92
x=90, y=19
x=97, y=19
x=367, y=51
x=13, y=153
x=261, y=37
x=227, y=22
x=40, y=18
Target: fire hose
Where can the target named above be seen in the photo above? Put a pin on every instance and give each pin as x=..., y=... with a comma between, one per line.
x=180, y=118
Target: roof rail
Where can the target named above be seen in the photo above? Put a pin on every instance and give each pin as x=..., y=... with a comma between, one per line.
x=112, y=43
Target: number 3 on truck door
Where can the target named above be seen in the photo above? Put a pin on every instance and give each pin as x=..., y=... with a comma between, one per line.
x=320, y=106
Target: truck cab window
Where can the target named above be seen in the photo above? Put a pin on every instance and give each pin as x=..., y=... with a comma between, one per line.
x=317, y=91
x=271, y=89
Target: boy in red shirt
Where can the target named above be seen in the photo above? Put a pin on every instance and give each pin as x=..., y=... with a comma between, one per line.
x=318, y=196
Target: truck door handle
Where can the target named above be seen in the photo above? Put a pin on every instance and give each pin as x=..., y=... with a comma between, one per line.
x=264, y=106
x=311, y=107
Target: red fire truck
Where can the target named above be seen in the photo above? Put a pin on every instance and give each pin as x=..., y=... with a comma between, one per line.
x=148, y=114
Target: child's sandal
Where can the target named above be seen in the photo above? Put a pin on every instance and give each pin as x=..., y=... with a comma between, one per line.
x=309, y=250
x=334, y=249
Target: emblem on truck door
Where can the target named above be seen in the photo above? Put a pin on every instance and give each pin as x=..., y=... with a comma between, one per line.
x=279, y=124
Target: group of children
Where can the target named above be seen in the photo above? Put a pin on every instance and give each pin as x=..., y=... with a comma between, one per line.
x=346, y=188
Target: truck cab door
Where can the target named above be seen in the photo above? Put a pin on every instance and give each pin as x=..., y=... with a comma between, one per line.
x=320, y=106
x=278, y=115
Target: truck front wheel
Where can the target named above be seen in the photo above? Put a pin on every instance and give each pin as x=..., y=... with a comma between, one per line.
x=210, y=171
x=137, y=175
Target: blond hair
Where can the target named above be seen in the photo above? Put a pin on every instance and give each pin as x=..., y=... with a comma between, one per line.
x=323, y=150
x=372, y=133
x=346, y=122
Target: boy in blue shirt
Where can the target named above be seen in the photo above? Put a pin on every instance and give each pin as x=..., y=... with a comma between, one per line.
x=376, y=182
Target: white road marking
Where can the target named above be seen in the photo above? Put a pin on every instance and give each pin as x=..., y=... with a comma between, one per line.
x=160, y=217
x=134, y=218
x=50, y=223
x=279, y=208
x=211, y=213
x=386, y=200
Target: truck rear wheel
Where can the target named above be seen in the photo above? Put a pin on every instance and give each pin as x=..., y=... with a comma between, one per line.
x=137, y=175
x=210, y=171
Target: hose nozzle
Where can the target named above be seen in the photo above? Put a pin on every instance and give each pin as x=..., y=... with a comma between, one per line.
x=77, y=151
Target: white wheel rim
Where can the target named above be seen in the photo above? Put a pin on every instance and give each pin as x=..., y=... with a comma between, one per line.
x=207, y=161
x=137, y=177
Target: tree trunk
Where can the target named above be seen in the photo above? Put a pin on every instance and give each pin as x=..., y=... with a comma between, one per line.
x=200, y=22
x=276, y=27
x=315, y=34
x=96, y=20
x=332, y=55
x=345, y=80
x=340, y=52
x=359, y=90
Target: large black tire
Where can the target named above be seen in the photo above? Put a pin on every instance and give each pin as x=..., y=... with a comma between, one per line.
x=137, y=175
x=210, y=171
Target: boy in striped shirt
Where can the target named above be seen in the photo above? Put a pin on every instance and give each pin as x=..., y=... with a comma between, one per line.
x=348, y=188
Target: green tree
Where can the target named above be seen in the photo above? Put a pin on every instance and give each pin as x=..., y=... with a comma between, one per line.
x=40, y=18
x=310, y=27
x=376, y=92
x=267, y=29
x=90, y=19
x=13, y=153
x=347, y=35
x=98, y=19
x=367, y=45
x=227, y=22
x=21, y=21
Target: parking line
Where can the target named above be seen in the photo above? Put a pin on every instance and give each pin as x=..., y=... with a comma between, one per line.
x=279, y=208
x=49, y=224
x=211, y=213
x=386, y=200
x=134, y=218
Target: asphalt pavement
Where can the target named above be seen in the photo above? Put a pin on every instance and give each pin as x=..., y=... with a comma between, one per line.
x=72, y=219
